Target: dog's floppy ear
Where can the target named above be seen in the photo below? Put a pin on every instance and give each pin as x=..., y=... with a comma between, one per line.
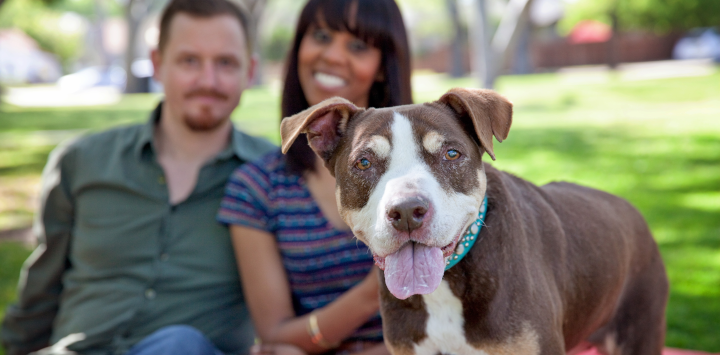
x=323, y=123
x=490, y=113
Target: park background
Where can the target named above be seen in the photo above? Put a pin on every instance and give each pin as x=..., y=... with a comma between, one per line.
x=620, y=95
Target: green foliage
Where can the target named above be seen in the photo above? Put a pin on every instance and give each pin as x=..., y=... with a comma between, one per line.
x=660, y=16
x=277, y=28
x=428, y=24
x=55, y=31
x=656, y=143
x=112, y=8
x=276, y=47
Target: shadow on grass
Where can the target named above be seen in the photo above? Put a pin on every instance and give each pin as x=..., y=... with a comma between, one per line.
x=704, y=312
x=12, y=255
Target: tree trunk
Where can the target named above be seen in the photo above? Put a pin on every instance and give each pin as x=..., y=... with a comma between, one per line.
x=256, y=7
x=482, y=54
x=489, y=56
x=521, y=59
x=457, y=67
x=135, y=12
x=99, y=33
x=613, y=50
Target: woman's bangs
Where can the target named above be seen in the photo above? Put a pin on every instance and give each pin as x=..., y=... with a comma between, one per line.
x=368, y=24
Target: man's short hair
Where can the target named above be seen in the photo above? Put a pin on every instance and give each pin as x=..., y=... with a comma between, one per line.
x=205, y=9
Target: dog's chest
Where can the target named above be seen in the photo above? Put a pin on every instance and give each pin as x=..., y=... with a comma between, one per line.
x=445, y=325
x=445, y=330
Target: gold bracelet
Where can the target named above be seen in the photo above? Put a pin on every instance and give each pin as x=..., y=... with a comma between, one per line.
x=315, y=336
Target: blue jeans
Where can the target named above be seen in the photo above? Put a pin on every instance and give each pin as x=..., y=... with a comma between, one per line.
x=175, y=340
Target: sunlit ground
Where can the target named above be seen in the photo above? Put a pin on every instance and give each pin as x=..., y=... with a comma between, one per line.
x=655, y=142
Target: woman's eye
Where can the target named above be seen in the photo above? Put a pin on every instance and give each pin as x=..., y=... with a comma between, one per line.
x=321, y=35
x=363, y=164
x=357, y=45
x=452, y=154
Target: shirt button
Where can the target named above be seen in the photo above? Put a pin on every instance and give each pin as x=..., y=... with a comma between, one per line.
x=164, y=257
x=161, y=180
x=150, y=294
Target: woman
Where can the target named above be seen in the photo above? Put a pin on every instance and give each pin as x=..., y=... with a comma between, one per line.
x=307, y=281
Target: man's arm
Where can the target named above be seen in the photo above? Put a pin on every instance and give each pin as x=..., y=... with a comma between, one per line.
x=28, y=323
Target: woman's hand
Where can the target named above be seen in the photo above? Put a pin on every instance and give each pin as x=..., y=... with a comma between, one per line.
x=371, y=286
x=276, y=349
x=269, y=298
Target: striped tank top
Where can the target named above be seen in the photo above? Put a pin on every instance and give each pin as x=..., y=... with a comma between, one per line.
x=321, y=261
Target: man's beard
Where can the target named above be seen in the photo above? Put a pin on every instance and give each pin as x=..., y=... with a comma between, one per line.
x=204, y=121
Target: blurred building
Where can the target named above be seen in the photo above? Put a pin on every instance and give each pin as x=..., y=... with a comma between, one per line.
x=22, y=61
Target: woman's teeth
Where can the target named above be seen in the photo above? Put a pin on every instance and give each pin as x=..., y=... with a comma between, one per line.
x=329, y=81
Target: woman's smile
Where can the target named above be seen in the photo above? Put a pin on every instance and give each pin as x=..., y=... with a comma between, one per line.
x=336, y=63
x=329, y=81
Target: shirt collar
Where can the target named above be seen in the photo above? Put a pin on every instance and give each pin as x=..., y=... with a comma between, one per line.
x=145, y=137
x=239, y=144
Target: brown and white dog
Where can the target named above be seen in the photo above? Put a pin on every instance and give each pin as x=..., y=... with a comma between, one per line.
x=555, y=268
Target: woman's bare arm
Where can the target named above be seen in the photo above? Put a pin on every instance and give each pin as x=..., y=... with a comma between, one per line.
x=269, y=299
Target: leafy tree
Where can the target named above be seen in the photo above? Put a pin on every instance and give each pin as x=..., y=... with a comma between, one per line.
x=661, y=16
x=58, y=26
x=45, y=26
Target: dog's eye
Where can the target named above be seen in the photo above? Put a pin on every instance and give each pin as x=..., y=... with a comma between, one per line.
x=452, y=154
x=363, y=164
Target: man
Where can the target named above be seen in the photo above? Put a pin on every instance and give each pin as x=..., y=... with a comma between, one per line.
x=131, y=259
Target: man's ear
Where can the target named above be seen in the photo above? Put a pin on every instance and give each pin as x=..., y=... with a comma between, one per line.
x=490, y=113
x=251, y=70
x=156, y=59
x=324, y=124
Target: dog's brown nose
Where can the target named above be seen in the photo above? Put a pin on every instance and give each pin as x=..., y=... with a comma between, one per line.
x=407, y=214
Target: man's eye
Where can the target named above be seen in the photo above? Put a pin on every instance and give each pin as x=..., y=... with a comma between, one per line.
x=363, y=164
x=452, y=154
x=189, y=60
x=321, y=35
x=357, y=45
x=227, y=62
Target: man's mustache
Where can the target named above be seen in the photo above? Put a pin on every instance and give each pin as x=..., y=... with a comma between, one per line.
x=206, y=92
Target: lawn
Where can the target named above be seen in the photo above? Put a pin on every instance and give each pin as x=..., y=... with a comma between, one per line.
x=653, y=142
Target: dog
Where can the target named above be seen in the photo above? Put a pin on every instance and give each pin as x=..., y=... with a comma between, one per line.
x=555, y=268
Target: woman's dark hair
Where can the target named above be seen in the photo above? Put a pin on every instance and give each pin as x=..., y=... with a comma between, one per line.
x=378, y=23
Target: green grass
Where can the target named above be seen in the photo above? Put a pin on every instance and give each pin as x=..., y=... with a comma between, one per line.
x=12, y=255
x=655, y=143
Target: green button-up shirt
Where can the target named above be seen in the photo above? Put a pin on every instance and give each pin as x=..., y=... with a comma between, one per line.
x=116, y=261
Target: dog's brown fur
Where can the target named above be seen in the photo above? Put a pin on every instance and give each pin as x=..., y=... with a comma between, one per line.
x=547, y=256
x=553, y=267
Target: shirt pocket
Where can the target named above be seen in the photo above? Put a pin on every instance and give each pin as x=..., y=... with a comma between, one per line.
x=114, y=227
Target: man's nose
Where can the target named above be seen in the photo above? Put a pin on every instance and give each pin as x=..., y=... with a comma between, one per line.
x=208, y=75
x=407, y=214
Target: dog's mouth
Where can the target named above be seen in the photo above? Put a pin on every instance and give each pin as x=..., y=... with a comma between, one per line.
x=446, y=250
x=415, y=268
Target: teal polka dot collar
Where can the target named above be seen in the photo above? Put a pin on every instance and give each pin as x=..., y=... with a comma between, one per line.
x=468, y=240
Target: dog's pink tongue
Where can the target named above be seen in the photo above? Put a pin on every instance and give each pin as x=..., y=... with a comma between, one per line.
x=414, y=269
